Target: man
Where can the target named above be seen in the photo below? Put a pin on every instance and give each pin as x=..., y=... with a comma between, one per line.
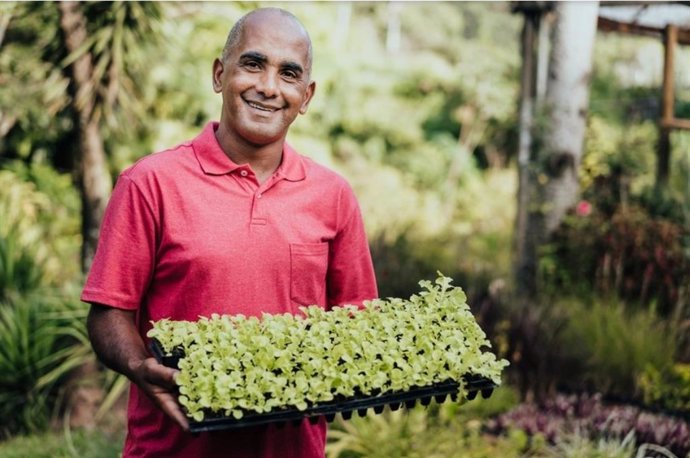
x=234, y=221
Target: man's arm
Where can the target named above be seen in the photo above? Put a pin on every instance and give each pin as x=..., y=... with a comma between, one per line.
x=117, y=344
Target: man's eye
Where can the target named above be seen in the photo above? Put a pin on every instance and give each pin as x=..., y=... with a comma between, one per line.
x=290, y=75
x=252, y=65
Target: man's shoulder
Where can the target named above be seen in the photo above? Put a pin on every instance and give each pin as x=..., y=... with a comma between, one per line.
x=161, y=163
x=323, y=174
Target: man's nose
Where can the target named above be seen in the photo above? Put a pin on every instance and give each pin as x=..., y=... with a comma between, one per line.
x=268, y=83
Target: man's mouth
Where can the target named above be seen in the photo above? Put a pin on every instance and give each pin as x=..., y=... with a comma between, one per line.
x=261, y=107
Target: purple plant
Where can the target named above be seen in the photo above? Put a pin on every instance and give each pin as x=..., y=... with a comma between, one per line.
x=588, y=414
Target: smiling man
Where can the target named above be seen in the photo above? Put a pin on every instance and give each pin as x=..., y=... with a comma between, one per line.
x=233, y=221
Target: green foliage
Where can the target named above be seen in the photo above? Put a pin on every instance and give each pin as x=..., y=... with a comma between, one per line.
x=668, y=388
x=629, y=252
x=20, y=273
x=40, y=231
x=581, y=446
x=34, y=355
x=41, y=329
x=234, y=364
x=77, y=444
x=118, y=34
x=413, y=236
x=33, y=89
x=419, y=433
x=614, y=345
x=618, y=163
x=37, y=119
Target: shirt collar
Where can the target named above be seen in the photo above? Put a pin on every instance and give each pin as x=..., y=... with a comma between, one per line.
x=292, y=166
x=214, y=161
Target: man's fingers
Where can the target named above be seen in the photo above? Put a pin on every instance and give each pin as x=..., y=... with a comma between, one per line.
x=158, y=382
x=168, y=404
x=160, y=375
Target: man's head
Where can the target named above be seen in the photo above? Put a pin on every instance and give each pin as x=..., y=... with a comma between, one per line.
x=264, y=76
x=236, y=32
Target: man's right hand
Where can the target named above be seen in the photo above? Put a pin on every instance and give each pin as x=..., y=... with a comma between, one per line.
x=158, y=382
x=117, y=343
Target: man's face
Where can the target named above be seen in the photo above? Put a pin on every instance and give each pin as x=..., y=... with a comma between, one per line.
x=264, y=81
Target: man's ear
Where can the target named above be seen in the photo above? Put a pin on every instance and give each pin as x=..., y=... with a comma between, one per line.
x=307, y=97
x=218, y=69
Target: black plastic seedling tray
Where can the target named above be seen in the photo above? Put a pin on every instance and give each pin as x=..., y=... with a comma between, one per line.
x=439, y=392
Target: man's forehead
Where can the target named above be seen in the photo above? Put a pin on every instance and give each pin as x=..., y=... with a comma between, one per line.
x=276, y=23
x=273, y=33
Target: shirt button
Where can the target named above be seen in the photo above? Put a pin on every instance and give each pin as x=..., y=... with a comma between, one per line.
x=243, y=173
x=259, y=196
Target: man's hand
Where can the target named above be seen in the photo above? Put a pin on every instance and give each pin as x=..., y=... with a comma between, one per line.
x=158, y=382
x=117, y=343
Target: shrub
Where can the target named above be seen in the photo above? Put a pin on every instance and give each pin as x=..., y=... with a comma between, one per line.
x=20, y=271
x=629, y=252
x=449, y=430
x=40, y=344
x=668, y=389
x=561, y=417
x=40, y=227
x=613, y=345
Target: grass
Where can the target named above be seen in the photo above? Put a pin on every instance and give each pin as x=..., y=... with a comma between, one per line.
x=71, y=444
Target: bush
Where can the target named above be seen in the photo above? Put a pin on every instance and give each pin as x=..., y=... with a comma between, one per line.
x=614, y=344
x=639, y=257
x=667, y=389
x=40, y=234
x=562, y=418
x=448, y=430
x=40, y=343
x=20, y=271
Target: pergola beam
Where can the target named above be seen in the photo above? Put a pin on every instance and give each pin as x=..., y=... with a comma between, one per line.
x=610, y=25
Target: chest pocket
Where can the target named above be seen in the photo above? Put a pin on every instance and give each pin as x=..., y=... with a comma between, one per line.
x=308, y=267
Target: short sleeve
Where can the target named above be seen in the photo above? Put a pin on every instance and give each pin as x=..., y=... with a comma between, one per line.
x=123, y=265
x=350, y=278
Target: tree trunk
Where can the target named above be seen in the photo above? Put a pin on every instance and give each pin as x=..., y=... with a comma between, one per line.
x=525, y=251
x=566, y=103
x=393, y=32
x=552, y=128
x=94, y=180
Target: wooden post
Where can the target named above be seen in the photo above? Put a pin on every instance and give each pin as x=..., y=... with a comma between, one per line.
x=664, y=145
x=525, y=245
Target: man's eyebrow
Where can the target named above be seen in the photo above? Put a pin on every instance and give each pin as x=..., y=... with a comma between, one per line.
x=260, y=57
x=294, y=66
x=255, y=55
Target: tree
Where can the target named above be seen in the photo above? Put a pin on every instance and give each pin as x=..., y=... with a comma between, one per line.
x=94, y=179
x=558, y=136
x=99, y=38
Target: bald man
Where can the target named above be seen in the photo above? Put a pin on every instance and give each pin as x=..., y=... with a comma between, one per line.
x=232, y=221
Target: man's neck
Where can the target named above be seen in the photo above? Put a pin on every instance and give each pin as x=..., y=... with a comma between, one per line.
x=264, y=160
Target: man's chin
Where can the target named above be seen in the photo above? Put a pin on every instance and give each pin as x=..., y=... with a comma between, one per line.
x=262, y=137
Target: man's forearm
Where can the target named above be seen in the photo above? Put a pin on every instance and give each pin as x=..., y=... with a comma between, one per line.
x=115, y=340
x=117, y=344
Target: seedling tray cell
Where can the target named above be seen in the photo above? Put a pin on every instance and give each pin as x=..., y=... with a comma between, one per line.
x=361, y=404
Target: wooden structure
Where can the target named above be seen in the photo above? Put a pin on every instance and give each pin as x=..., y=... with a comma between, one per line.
x=671, y=35
x=535, y=45
x=536, y=190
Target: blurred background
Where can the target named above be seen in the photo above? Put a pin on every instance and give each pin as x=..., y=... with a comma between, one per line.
x=537, y=153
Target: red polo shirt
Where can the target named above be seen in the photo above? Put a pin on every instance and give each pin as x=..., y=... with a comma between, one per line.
x=188, y=233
